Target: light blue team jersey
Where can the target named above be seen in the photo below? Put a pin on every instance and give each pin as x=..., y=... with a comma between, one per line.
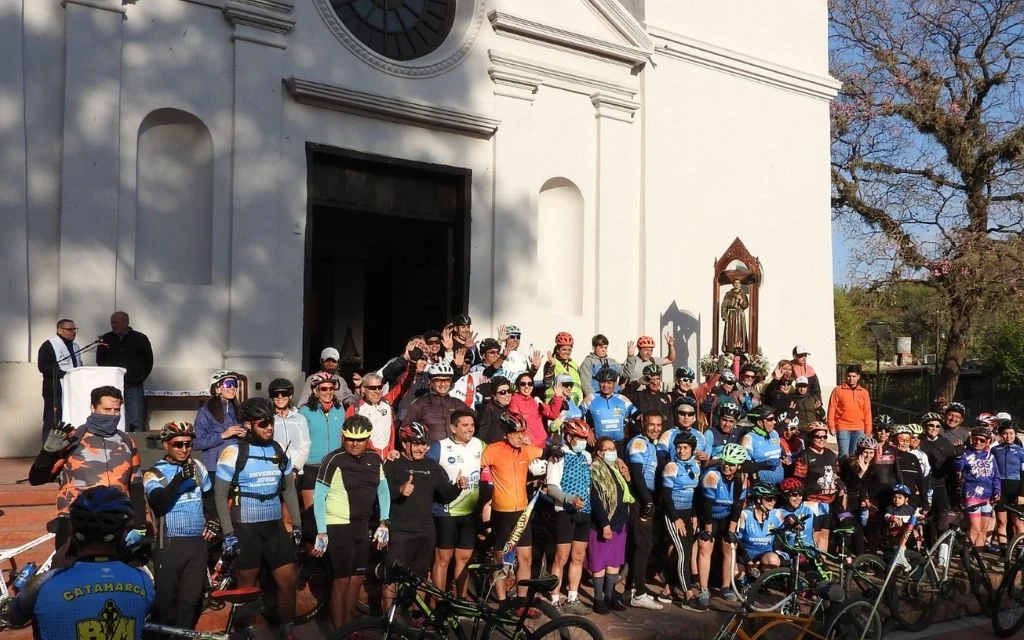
x=807, y=535
x=186, y=517
x=666, y=443
x=680, y=478
x=259, y=483
x=721, y=493
x=761, y=448
x=644, y=452
x=608, y=415
x=756, y=537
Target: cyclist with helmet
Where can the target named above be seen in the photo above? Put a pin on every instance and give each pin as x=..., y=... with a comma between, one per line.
x=508, y=462
x=291, y=430
x=955, y=431
x=416, y=482
x=790, y=439
x=1009, y=455
x=568, y=484
x=941, y=454
x=685, y=412
x=855, y=473
x=641, y=353
x=535, y=412
x=679, y=481
x=792, y=504
x=434, y=409
x=462, y=337
x=724, y=431
x=916, y=433
x=849, y=412
x=818, y=468
x=898, y=514
x=560, y=363
x=595, y=361
x=67, y=603
x=512, y=360
x=180, y=493
x=608, y=411
x=324, y=416
x=257, y=477
x=684, y=377
x=720, y=394
x=456, y=521
x=650, y=397
x=379, y=407
x=642, y=451
x=349, y=484
x=755, y=549
x=909, y=470
x=764, y=451
x=217, y=421
x=979, y=472
x=723, y=490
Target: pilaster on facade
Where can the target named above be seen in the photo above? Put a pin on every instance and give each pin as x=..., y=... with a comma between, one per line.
x=513, y=84
x=613, y=107
x=265, y=22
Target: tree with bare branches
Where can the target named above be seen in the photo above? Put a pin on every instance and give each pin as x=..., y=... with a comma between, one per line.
x=928, y=148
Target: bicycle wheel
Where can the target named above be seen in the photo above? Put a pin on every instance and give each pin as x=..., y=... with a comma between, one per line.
x=977, y=576
x=776, y=590
x=865, y=576
x=372, y=628
x=1015, y=550
x=913, y=593
x=507, y=610
x=1008, y=604
x=568, y=628
x=850, y=620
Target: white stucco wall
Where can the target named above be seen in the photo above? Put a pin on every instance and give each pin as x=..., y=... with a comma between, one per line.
x=705, y=124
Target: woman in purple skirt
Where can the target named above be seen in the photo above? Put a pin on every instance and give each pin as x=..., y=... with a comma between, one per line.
x=609, y=513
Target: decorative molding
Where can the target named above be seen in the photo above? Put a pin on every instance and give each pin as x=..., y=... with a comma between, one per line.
x=113, y=6
x=214, y=4
x=382, y=107
x=513, y=84
x=624, y=23
x=560, y=77
x=509, y=24
x=273, y=16
x=463, y=37
x=613, y=107
x=680, y=47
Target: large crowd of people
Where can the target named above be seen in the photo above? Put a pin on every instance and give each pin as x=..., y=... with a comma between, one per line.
x=436, y=455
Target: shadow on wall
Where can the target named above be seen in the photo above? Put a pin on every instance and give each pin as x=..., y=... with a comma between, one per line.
x=684, y=327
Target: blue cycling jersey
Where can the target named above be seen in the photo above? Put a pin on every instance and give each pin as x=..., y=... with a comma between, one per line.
x=680, y=478
x=756, y=537
x=666, y=443
x=980, y=474
x=1009, y=460
x=608, y=415
x=644, y=452
x=259, y=483
x=721, y=493
x=95, y=598
x=765, y=448
x=186, y=517
x=803, y=511
x=716, y=439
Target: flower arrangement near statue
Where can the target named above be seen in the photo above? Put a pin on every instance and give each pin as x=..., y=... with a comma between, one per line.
x=711, y=363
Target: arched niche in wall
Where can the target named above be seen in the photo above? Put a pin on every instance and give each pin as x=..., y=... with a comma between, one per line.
x=174, y=200
x=560, y=247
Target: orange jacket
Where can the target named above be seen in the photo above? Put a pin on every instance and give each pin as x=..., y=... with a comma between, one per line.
x=849, y=409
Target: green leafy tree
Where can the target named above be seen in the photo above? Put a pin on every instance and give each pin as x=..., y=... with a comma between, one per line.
x=850, y=344
x=1002, y=350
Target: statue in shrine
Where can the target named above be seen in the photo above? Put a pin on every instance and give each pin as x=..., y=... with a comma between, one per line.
x=734, y=318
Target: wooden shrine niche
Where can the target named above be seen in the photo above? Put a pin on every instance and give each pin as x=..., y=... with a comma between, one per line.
x=736, y=285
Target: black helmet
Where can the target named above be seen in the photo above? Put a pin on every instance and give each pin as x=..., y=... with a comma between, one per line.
x=652, y=370
x=487, y=344
x=683, y=401
x=255, y=410
x=462, y=320
x=685, y=437
x=281, y=384
x=100, y=514
x=607, y=374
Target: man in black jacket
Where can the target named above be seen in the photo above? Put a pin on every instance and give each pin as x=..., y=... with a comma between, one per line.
x=124, y=347
x=57, y=355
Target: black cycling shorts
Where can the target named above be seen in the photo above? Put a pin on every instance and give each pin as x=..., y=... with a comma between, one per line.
x=411, y=549
x=456, y=532
x=348, y=547
x=719, y=529
x=502, y=523
x=571, y=527
x=307, y=481
x=1010, y=490
x=264, y=541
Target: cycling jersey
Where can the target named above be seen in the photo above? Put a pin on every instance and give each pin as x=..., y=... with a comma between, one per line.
x=721, y=496
x=571, y=475
x=980, y=473
x=259, y=483
x=186, y=517
x=765, y=448
x=643, y=452
x=1009, y=460
x=607, y=415
x=455, y=457
x=680, y=478
x=817, y=469
x=667, y=447
x=324, y=431
x=803, y=511
x=509, y=468
x=96, y=460
x=559, y=368
x=347, y=487
x=756, y=537
x=95, y=598
x=717, y=439
x=430, y=483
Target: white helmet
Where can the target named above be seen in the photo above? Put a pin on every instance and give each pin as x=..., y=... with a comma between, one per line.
x=440, y=370
x=218, y=376
x=538, y=467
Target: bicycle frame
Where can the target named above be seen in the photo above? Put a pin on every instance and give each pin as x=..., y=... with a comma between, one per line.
x=766, y=622
x=899, y=560
x=10, y=554
x=186, y=633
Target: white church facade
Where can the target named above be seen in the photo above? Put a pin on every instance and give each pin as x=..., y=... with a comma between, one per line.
x=252, y=180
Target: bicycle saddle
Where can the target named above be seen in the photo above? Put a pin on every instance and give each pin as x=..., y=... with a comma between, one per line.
x=546, y=583
x=242, y=595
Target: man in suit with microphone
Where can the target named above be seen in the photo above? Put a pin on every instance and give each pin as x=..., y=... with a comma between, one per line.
x=57, y=355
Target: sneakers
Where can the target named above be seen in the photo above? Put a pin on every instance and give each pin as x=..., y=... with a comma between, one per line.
x=617, y=604
x=701, y=603
x=601, y=607
x=644, y=601
x=574, y=608
x=727, y=594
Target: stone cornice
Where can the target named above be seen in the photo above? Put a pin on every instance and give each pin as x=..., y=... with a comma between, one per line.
x=508, y=24
x=263, y=22
x=514, y=84
x=382, y=107
x=623, y=22
x=559, y=77
x=613, y=107
x=680, y=47
x=113, y=6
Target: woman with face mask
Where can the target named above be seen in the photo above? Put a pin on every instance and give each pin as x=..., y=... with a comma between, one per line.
x=610, y=498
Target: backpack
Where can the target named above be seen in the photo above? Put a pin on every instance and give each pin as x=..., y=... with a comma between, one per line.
x=280, y=458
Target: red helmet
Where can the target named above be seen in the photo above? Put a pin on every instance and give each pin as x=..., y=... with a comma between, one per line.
x=645, y=342
x=563, y=339
x=512, y=422
x=791, y=484
x=577, y=428
x=323, y=378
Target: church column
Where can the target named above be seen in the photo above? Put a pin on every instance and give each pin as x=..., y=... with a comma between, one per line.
x=89, y=185
x=515, y=197
x=618, y=281
x=260, y=30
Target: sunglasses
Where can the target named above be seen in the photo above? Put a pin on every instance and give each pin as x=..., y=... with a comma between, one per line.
x=265, y=424
x=513, y=336
x=819, y=437
x=357, y=440
x=325, y=388
x=769, y=418
x=793, y=494
x=503, y=392
x=790, y=427
x=685, y=379
x=686, y=413
x=373, y=387
x=769, y=498
x=433, y=342
x=525, y=384
x=747, y=375
x=280, y=394
x=229, y=384
x=181, y=444
x=568, y=385
x=493, y=352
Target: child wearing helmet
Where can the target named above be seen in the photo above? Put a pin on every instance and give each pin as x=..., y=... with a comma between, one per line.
x=898, y=514
x=560, y=363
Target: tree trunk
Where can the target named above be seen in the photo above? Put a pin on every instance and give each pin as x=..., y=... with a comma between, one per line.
x=961, y=312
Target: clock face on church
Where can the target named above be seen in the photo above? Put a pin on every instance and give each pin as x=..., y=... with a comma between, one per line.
x=398, y=29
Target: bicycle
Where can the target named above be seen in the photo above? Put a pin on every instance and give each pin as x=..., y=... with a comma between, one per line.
x=8, y=589
x=221, y=598
x=1008, y=601
x=849, y=618
x=460, y=619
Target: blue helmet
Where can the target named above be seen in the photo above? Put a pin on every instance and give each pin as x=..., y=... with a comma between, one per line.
x=100, y=514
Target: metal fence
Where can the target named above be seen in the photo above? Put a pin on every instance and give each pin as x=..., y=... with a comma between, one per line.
x=906, y=395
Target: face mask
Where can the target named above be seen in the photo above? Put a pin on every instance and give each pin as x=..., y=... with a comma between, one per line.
x=610, y=456
x=579, y=446
x=102, y=424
